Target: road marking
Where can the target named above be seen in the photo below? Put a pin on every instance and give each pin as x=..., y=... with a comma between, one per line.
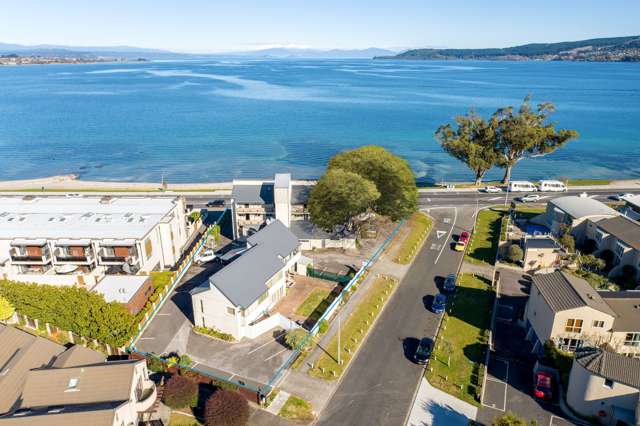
x=455, y=217
x=446, y=220
x=494, y=199
x=439, y=234
x=276, y=354
x=146, y=338
x=163, y=315
x=232, y=376
x=265, y=344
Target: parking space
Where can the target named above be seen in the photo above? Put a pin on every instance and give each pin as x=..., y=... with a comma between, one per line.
x=495, y=387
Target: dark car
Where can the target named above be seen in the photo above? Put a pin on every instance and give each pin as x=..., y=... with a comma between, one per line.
x=543, y=386
x=423, y=351
x=449, y=283
x=439, y=303
x=215, y=203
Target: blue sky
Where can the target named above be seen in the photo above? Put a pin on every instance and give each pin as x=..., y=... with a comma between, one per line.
x=207, y=26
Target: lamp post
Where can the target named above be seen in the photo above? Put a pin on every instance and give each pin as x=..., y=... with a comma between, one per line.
x=339, y=337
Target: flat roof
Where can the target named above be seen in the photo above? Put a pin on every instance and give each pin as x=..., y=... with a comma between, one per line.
x=120, y=288
x=578, y=207
x=541, y=243
x=93, y=217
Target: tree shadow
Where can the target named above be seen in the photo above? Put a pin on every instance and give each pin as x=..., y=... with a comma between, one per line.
x=472, y=305
x=182, y=297
x=442, y=414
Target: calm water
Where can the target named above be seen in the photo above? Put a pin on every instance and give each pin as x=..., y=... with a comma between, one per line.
x=214, y=120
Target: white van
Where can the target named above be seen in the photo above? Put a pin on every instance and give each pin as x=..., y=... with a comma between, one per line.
x=522, y=186
x=552, y=186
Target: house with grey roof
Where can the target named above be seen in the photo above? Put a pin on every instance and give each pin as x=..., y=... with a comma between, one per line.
x=254, y=202
x=605, y=385
x=573, y=211
x=566, y=310
x=241, y=295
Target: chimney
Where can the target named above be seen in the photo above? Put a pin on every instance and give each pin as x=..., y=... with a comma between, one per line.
x=282, y=197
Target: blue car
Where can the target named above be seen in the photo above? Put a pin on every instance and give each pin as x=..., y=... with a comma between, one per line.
x=439, y=303
x=449, y=283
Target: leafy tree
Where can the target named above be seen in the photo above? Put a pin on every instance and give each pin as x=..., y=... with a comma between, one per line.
x=628, y=277
x=591, y=263
x=514, y=253
x=390, y=174
x=226, y=408
x=565, y=238
x=527, y=133
x=509, y=419
x=296, y=336
x=473, y=142
x=340, y=196
x=6, y=309
x=180, y=392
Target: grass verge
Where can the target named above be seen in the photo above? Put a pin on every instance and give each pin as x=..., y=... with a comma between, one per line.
x=485, y=238
x=457, y=364
x=353, y=331
x=588, y=182
x=297, y=409
x=419, y=225
x=312, y=302
x=179, y=419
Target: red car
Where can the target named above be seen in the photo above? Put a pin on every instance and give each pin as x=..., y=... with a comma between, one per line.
x=543, y=386
x=464, y=237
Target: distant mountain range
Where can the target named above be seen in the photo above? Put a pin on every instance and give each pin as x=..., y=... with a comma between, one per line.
x=615, y=49
x=137, y=52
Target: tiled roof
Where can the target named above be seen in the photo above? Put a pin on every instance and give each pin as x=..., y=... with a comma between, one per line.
x=610, y=365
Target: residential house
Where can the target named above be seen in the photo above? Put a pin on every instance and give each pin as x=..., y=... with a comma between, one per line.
x=242, y=294
x=46, y=384
x=605, y=385
x=565, y=309
x=573, y=212
x=59, y=240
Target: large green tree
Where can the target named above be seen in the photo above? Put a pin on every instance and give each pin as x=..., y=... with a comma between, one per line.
x=340, y=196
x=390, y=174
x=473, y=142
x=527, y=133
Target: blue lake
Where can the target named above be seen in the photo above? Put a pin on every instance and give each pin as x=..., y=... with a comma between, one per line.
x=219, y=119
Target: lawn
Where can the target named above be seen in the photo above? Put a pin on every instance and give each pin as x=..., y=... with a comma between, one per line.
x=588, y=182
x=529, y=212
x=419, y=225
x=458, y=361
x=297, y=409
x=312, y=302
x=354, y=329
x=485, y=237
x=179, y=419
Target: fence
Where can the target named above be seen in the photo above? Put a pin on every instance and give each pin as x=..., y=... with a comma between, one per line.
x=329, y=276
x=332, y=307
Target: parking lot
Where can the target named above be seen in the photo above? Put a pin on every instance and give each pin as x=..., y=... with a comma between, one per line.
x=509, y=381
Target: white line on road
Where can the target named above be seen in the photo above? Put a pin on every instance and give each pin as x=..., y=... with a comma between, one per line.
x=439, y=234
x=276, y=354
x=146, y=338
x=455, y=217
x=265, y=344
x=163, y=315
x=494, y=199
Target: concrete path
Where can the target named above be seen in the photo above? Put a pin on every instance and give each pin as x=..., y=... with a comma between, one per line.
x=278, y=402
x=434, y=407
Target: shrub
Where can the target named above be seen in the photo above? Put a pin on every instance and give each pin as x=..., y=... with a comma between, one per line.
x=514, y=253
x=608, y=257
x=214, y=333
x=508, y=419
x=295, y=337
x=185, y=360
x=155, y=365
x=226, y=408
x=627, y=278
x=323, y=327
x=591, y=263
x=180, y=392
x=6, y=309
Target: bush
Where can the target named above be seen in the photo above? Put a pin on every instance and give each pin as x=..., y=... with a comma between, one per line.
x=214, y=333
x=226, y=408
x=180, y=392
x=627, y=278
x=185, y=360
x=323, y=327
x=508, y=419
x=155, y=365
x=75, y=309
x=608, y=257
x=295, y=337
x=514, y=253
x=6, y=309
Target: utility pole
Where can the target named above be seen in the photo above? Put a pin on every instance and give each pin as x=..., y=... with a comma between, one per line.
x=339, y=337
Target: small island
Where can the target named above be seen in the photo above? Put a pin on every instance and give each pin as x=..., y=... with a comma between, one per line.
x=15, y=59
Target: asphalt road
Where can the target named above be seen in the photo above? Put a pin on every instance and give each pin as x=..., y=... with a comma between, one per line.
x=379, y=385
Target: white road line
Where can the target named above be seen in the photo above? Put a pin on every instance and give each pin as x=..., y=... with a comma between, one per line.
x=276, y=354
x=163, y=315
x=265, y=344
x=455, y=217
x=495, y=199
x=232, y=376
x=146, y=338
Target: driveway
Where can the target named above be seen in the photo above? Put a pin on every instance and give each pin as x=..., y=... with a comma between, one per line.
x=379, y=386
x=435, y=407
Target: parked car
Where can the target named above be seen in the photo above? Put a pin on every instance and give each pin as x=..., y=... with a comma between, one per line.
x=423, y=351
x=458, y=246
x=205, y=256
x=464, y=237
x=543, y=386
x=530, y=198
x=449, y=283
x=215, y=203
x=522, y=186
x=621, y=197
x=492, y=189
x=439, y=304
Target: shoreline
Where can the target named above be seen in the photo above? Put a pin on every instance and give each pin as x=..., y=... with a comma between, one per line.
x=71, y=183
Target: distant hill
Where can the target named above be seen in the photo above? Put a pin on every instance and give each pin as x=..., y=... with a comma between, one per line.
x=283, y=52
x=616, y=49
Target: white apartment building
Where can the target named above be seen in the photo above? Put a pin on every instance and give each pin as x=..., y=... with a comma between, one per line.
x=64, y=241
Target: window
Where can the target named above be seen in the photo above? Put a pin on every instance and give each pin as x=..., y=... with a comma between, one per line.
x=632, y=339
x=201, y=306
x=231, y=311
x=598, y=324
x=608, y=383
x=148, y=248
x=570, y=345
x=573, y=326
x=72, y=385
x=246, y=217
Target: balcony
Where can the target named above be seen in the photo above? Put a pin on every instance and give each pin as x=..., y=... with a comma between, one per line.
x=30, y=255
x=118, y=255
x=146, y=397
x=64, y=255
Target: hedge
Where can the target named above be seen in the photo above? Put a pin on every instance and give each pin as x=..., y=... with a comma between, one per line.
x=75, y=309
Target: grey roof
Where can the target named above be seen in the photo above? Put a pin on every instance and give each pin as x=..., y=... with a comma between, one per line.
x=253, y=193
x=610, y=365
x=306, y=230
x=282, y=180
x=626, y=305
x=624, y=229
x=77, y=356
x=300, y=194
x=578, y=207
x=541, y=243
x=243, y=281
x=563, y=291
